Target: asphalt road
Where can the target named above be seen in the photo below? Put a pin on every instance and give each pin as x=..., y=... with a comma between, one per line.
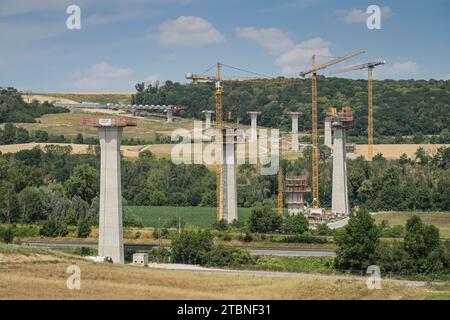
x=128, y=246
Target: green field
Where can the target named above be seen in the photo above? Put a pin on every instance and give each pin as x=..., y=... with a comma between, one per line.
x=439, y=219
x=197, y=216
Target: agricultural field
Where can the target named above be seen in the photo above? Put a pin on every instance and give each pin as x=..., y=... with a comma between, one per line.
x=70, y=125
x=99, y=97
x=395, y=151
x=130, y=152
x=439, y=219
x=198, y=216
x=44, y=277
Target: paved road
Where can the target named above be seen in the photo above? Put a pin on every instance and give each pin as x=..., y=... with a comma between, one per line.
x=128, y=246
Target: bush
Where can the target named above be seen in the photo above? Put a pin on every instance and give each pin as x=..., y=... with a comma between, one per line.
x=53, y=229
x=264, y=219
x=160, y=255
x=221, y=225
x=228, y=256
x=83, y=228
x=246, y=237
x=7, y=234
x=161, y=233
x=299, y=224
x=357, y=242
x=324, y=230
x=192, y=246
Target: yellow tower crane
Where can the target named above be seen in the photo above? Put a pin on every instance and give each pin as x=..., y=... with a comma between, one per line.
x=369, y=66
x=315, y=146
x=219, y=80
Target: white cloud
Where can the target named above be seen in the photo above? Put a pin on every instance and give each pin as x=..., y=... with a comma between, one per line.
x=189, y=31
x=352, y=16
x=274, y=40
x=398, y=70
x=300, y=55
x=103, y=76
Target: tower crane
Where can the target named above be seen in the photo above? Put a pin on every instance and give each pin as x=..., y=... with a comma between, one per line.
x=219, y=80
x=369, y=66
x=315, y=147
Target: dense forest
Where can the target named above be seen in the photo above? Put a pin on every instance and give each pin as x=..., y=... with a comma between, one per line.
x=14, y=110
x=401, y=108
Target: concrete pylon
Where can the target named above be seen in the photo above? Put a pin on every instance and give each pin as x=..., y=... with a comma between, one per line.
x=254, y=129
x=208, y=114
x=110, y=240
x=294, y=132
x=169, y=116
x=340, y=206
x=328, y=135
x=230, y=210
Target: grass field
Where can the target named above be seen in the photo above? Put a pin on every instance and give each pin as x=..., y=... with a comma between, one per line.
x=44, y=276
x=69, y=124
x=439, y=219
x=197, y=216
x=99, y=97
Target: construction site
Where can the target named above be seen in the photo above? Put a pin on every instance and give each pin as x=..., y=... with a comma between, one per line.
x=181, y=150
x=292, y=190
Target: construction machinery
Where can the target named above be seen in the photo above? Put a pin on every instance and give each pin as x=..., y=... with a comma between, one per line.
x=315, y=147
x=219, y=80
x=369, y=66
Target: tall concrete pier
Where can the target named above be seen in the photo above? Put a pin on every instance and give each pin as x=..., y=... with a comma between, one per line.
x=229, y=186
x=254, y=122
x=208, y=114
x=110, y=241
x=327, y=132
x=294, y=132
x=340, y=206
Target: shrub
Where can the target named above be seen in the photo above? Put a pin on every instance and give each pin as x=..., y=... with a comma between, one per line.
x=324, y=230
x=221, y=225
x=161, y=233
x=192, y=246
x=7, y=234
x=357, y=242
x=264, y=219
x=83, y=228
x=53, y=229
x=228, y=256
x=246, y=237
x=299, y=224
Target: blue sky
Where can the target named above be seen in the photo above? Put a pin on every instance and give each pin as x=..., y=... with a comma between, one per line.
x=124, y=42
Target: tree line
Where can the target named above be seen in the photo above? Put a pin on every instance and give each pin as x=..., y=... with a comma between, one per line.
x=403, y=108
x=13, y=109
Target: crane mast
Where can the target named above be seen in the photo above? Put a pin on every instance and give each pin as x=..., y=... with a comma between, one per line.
x=369, y=66
x=314, y=134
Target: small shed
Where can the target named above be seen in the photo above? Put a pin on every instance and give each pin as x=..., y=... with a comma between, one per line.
x=140, y=259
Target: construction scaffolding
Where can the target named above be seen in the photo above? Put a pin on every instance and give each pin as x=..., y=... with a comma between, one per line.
x=295, y=188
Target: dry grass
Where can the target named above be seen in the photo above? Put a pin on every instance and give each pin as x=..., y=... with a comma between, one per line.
x=394, y=151
x=43, y=279
x=131, y=152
